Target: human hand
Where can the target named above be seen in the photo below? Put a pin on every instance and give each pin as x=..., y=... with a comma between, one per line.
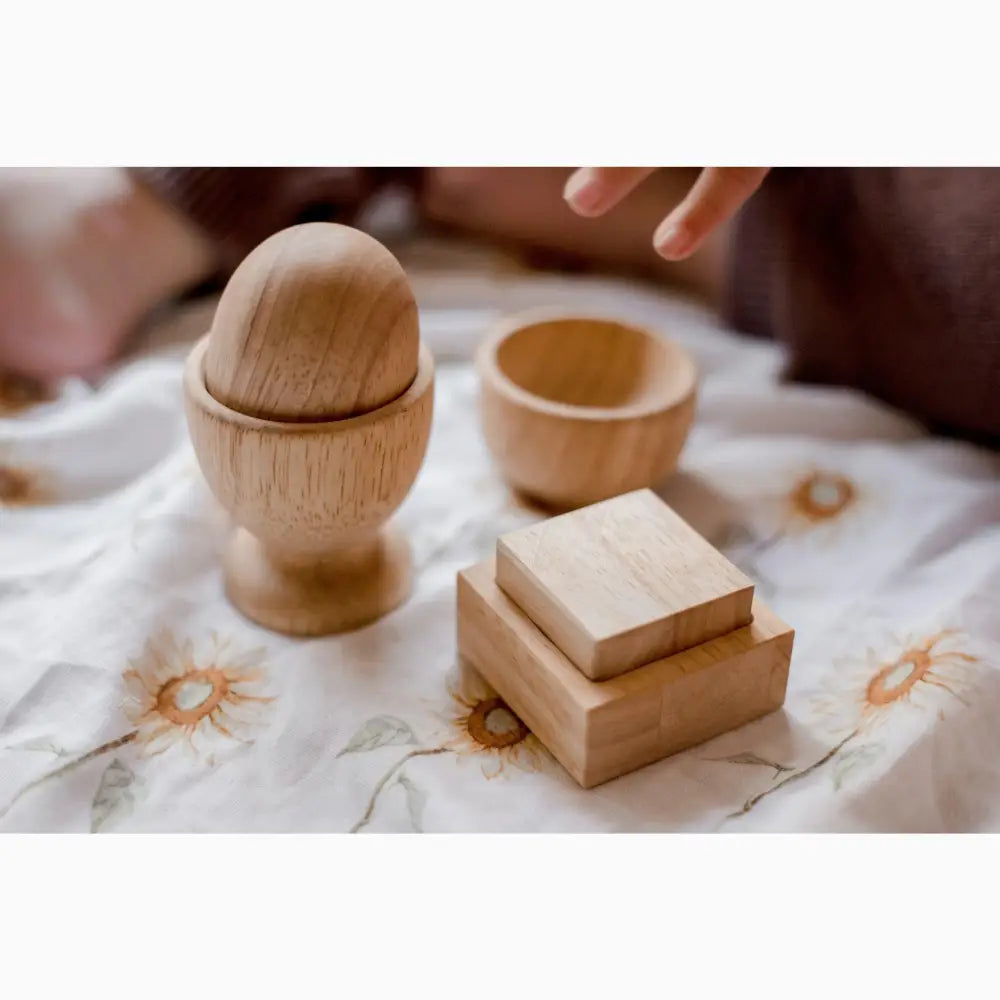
x=715, y=197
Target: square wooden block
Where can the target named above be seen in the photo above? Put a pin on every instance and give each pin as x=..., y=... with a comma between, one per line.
x=599, y=730
x=621, y=583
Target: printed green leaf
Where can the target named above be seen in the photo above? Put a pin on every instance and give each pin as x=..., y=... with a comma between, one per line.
x=39, y=744
x=114, y=798
x=416, y=798
x=749, y=757
x=381, y=731
x=854, y=760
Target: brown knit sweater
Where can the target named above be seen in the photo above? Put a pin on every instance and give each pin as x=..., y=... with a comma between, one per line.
x=880, y=279
x=887, y=280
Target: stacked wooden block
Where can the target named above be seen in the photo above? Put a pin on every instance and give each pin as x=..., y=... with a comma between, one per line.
x=620, y=636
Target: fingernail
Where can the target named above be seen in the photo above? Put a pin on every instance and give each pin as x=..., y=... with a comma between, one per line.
x=672, y=241
x=582, y=191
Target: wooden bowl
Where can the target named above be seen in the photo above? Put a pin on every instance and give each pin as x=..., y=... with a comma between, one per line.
x=578, y=409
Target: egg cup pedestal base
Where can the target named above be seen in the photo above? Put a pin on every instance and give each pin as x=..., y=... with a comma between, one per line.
x=339, y=593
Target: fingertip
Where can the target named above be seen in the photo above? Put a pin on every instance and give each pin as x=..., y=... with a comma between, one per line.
x=583, y=192
x=674, y=240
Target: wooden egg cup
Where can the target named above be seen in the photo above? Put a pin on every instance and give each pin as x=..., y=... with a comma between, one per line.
x=579, y=409
x=311, y=553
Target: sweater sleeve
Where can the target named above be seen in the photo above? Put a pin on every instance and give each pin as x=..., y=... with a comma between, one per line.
x=882, y=279
x=238, y=207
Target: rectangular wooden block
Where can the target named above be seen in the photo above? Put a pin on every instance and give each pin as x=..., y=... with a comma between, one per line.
x=621, y=583
x=599, y=730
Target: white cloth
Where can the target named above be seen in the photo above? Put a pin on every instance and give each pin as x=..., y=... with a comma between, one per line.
x=112, y=588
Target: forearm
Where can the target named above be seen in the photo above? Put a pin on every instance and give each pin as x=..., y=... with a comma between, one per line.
x=238, y=207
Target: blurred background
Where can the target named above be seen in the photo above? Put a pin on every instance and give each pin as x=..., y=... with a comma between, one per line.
x=88, y=256
x=879, y=279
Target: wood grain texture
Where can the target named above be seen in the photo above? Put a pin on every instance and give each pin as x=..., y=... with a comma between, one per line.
x=579, y=409
x=317, y=323
x=622, y=582
x=309, y=405
x=315, y=497
x=358, y=584
x=599, y=730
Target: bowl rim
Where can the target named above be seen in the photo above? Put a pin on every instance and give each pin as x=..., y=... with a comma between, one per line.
x=489, y=370
x=196, y=391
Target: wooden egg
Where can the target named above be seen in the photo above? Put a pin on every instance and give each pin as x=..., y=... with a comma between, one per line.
x=317, y=323
x=579, y=409
x=309, y=405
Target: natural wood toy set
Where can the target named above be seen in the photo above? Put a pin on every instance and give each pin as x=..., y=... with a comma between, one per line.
x=613, y=629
